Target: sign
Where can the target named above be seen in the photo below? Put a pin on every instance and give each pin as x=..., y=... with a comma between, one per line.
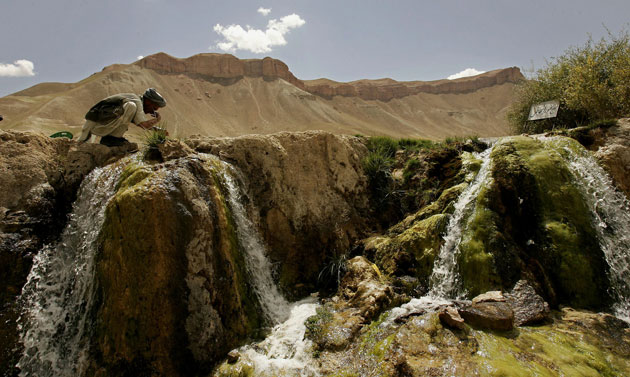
x=544, y=110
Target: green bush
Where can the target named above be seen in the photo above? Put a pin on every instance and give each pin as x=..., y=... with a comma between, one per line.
x=591, y=83
x=152, y=139
x=382, y=145
x=410, y=169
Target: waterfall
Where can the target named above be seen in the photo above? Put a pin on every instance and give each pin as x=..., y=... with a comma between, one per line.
x=285, y=351
x=276, y=308
x=611, y=218
x=59, y=293
x=444, y=281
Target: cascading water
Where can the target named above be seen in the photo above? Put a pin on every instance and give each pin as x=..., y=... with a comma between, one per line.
x=258, y=266
x=444, y=280
x=611, y=218
x=285, y=351
x=59, y=292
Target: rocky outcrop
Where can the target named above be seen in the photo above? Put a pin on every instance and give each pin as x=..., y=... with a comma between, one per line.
x=533, y=184
x=388, y=89
x=227, y=69
x=39, y=179
x=310, y=194
x=614, y=154
x=220, y=67
x=175, y=295
x=422, y=346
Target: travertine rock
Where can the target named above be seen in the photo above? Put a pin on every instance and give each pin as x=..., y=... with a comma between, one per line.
x=310, y=193
x=614, y=154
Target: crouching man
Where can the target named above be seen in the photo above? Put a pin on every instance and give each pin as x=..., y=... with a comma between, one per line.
x=110, y=118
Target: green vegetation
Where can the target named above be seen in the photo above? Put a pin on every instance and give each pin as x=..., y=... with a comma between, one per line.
x=410, y=168
x=424, y=169
x=153, y=138
x=592, y=83
x=334, y=269
x=380, y=160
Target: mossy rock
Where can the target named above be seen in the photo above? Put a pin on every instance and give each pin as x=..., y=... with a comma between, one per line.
x=173, y=291
x=239, y=369
x=533, y=213
x=413, y=251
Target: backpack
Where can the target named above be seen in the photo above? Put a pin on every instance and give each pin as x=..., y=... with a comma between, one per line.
x=106, y=110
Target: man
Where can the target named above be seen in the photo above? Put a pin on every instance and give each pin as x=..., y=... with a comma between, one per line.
x=132, y=110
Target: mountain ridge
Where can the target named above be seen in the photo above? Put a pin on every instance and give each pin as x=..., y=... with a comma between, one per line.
x=221, y=95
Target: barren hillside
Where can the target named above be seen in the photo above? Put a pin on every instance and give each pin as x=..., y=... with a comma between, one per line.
x=221, y=95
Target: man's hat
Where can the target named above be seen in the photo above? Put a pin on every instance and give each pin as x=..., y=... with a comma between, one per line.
x=155, y=97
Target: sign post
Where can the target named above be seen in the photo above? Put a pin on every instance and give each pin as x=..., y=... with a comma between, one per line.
x=544, y=110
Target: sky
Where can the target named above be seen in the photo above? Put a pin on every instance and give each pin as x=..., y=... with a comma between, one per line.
x=343, y=40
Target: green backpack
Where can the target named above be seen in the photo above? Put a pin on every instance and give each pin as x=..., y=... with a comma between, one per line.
x=106, y=110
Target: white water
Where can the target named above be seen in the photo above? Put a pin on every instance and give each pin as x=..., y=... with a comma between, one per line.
x=276, y=308
x=284, y=352
x=59, y=293
x=444, y=281
x=611, y=218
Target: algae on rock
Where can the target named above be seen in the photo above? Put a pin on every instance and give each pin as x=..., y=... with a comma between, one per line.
x=532, y=220
x=174, y=293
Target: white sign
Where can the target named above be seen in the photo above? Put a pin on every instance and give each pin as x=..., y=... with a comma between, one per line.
x=544, y=110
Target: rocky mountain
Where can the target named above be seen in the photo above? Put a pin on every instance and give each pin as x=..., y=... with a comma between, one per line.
x=221, y=95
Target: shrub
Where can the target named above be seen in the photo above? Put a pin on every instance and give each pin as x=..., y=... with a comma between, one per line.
x=382, y=145
x=591, y=83
x=152, y=139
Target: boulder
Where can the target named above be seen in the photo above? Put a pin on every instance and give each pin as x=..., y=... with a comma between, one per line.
x=489, y=315
x=39, y=180
x=175, y=295
x=490, y=296
x=450, y=317
x=532, y=183
x=362, y=288
x=529, y=307
x=614, y=153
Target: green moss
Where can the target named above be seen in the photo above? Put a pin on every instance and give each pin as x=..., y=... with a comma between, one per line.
x=410, y=169
x=413, y=251
x=132, y=175
x=240, y=369
x=373, y=334
x=317, y=325
x=345, y=373
x=532, y=209
x=546, y=351
x=381, y=348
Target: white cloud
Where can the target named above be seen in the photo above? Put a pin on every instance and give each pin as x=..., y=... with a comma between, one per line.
x=255, y=40
x=19, y=68
x=264, y=11
x=140, y=57
x=465, y=73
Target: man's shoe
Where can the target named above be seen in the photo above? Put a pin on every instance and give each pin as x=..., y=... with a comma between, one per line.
x=112, y=141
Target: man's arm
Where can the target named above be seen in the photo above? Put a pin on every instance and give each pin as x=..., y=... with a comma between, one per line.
x=151, y=122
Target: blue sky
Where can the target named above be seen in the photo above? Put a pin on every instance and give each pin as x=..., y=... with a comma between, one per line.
x=344, y=40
